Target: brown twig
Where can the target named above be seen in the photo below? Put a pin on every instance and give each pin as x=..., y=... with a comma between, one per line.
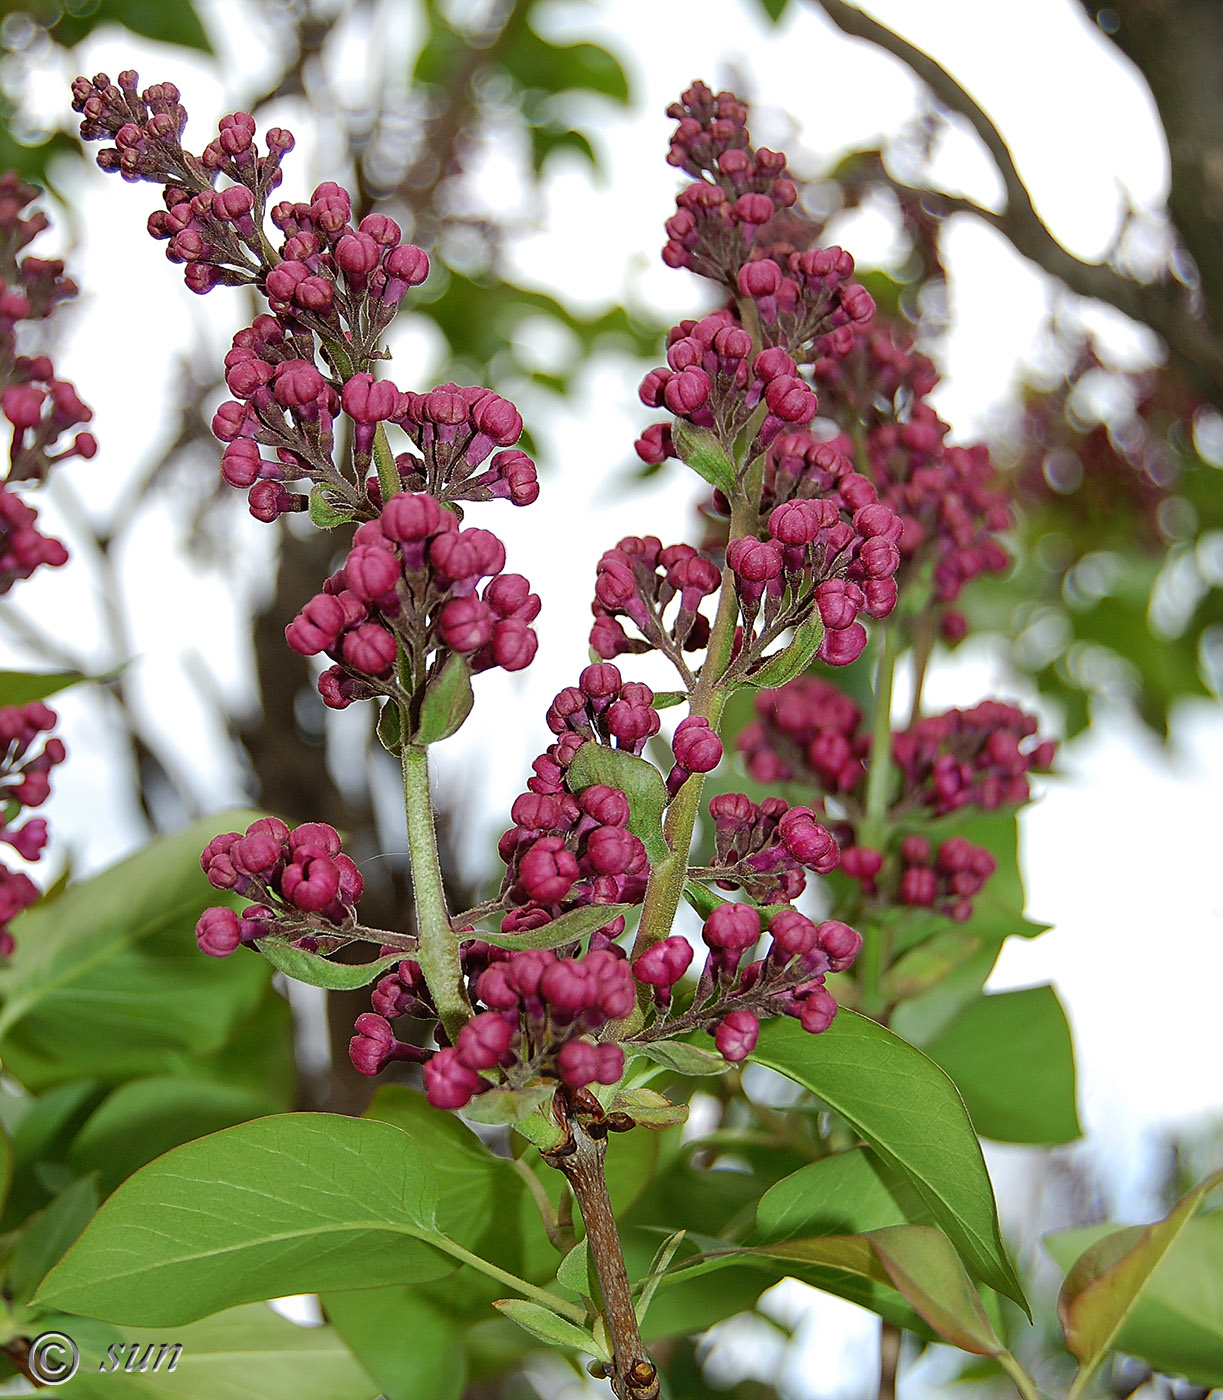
x=1161, y=306
x=580, y=1157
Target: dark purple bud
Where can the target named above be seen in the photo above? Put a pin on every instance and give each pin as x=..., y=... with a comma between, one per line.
x=484, y=1040
x=218, y=932
x=735, y=927
x=736, y=1036
x=663, y=964
x=696, y=747
x=448, y=1081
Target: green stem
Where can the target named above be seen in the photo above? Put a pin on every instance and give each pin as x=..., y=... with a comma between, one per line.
x=873, y=827
x=1023, y=1382
x=519, y=1285
x=384, y=459
x=438, y=953
x=666, y=886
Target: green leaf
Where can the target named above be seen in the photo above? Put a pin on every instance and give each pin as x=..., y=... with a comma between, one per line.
x=115, y=958
x=668, y=699
x=679, y=1056
x=547, y=140
x=21, y=687
x=41, y=1143
x=1105, y=1284
x=568, y=928
x=785, y=665
x=649, y=1109
x=447, y=703
x=638, y=780
x=6, y=1166
x=153, y=19
x=551, y=1328
x=147, y=1117
x=910, y=1113
x=574, y=1271
x=412, y=1348
x=700, y=449
x=247, y=1353
x=659, y=1266
x=325, y=515
x=297, y=1203
x=48, y=1235
x=1011, y=1057
x=535, y=63
x=849, y=1193
x=390, y=728
x=317, y=971
x=1176, y=1325
x=774, y=9
x=926, y=1270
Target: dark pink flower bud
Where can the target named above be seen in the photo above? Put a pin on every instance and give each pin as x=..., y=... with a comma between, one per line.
x=840, y=942
x=612, y=850
x=370, y=649
x=687, y=391
x=755, y=560
x=840, y=648
x=793, y=933
x=918, y=886
x=736, y=1036
x=547, y=871
x=759, y=279
x=465, y=624
x=817, y=1010
x=696, y=747
x=861, y=862
x=514, y=644
x=664, y=963
x=412, y=517
x=735, y=927
x=448, y=1081
x=218, y=932
x=607, y=805
x=484, y=1039
x=369, y=400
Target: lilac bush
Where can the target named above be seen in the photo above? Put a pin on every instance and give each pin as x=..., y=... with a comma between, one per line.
x=840, y=523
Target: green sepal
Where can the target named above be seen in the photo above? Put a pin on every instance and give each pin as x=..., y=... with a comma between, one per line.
x=649, y=1109
x=447, y=703
x=569, y=928
x=785, y=666
x=324, y=514
x=390, y=728
x=317, y=971
x=638, y=780
x=679, y=1056
x=666, y=699
x=700, y=449
x=550, y=1327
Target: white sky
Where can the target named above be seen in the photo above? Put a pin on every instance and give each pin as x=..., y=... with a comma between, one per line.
x=1121, y=850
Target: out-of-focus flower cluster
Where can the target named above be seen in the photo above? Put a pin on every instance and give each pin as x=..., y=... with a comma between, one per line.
x=25, y=783
x=809, y=733
x=40, y=410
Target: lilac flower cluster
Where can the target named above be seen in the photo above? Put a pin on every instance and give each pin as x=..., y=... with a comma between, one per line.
x=809, y=732
x=764, y=848
x=726, y=227
x=406, y=599
x=537, y=1015
x=39, y=408
x=303, y=887
x=564, y=852
x=922, y=877
x=948, y=498
x=815, y=561
x=25, y=783
x=637, y=581
x=332, y=289
x=714, y=381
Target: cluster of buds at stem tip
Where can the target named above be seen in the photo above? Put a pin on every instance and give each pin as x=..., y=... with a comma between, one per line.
x=332, y=290
x=39, y=409
x=303, y=888
x=732, y=995
x=25, y=783
x=414, y=591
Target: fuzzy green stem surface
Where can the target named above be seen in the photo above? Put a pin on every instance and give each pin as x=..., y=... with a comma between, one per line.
x=438, y=953
x=871, y=831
